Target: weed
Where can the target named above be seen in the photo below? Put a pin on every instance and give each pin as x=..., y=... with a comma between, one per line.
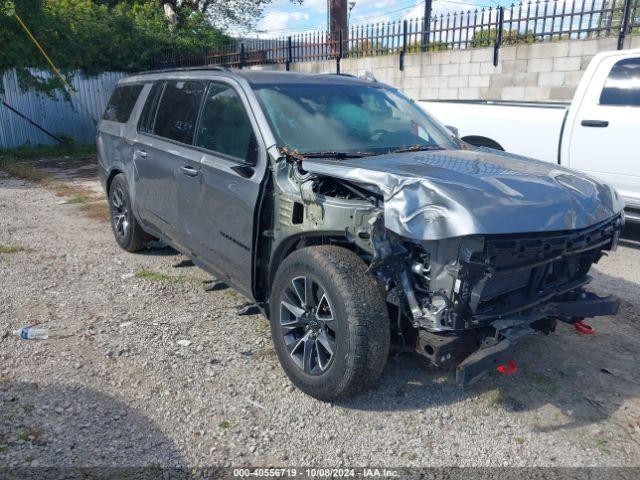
x=519, y=440
x=159, y=277
x=31, y=434
x=79, y=199
x=224, y=425
x=28, y=409
x=11, y=249
x=51, y=151
x=602, y=443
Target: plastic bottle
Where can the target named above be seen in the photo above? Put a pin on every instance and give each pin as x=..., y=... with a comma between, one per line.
x=29, y=333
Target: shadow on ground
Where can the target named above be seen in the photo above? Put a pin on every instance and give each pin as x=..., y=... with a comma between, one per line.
x=568, y=379
x=75, y=426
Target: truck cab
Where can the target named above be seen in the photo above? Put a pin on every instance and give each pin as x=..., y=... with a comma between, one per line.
x=602, y=122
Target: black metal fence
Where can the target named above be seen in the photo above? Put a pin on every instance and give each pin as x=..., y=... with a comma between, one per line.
x=525, y=22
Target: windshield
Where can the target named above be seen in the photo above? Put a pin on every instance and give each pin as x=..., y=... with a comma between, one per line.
x=353, y=118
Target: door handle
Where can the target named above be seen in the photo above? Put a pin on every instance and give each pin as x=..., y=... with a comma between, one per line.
x=142, y=153
x=594, y=123
x=189, y=171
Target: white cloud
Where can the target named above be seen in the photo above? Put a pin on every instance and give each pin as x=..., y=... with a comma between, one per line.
x=278, y=22
x=319, y=6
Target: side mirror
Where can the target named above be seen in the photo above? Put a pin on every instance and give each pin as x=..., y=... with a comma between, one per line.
x=453, y=130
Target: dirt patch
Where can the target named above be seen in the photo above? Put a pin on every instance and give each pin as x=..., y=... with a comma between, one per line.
x=71, y=174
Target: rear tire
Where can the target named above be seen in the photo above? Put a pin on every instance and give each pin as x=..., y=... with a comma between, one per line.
x=128, y=232
x=329, y=322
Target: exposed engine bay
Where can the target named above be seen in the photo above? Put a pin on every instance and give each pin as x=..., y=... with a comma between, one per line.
x=463, y=300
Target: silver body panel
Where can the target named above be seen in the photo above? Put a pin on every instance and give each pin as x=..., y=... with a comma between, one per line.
x=453, y=193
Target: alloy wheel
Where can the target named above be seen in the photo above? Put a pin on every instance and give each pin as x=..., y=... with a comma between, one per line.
x=120, y=212
x=308, y=325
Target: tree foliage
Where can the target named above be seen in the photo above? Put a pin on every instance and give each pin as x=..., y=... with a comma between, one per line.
x=487, y=38
x=243, y=13
x=94, y=36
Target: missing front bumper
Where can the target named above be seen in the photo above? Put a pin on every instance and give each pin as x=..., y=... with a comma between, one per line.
x=509, y=332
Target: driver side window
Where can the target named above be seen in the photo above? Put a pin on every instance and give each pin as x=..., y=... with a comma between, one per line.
x=224, y=125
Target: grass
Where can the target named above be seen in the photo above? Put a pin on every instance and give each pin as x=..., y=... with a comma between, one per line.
x=77, y=200
x=46, y=151
x=601, y=443
x=31, y=434
x=152, y=276
x=11, y=249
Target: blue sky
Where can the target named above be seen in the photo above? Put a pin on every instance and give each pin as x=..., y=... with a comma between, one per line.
x=283, y=18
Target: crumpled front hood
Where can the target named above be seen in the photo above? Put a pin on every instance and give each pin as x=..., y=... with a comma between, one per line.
x=450, y=193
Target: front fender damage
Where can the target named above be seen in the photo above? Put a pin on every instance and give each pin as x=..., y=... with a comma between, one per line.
x=464, y=294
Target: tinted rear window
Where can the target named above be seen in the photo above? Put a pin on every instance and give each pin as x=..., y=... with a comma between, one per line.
x=148, y=116
x=623, y=84
x=178, y=110
x=121, y=103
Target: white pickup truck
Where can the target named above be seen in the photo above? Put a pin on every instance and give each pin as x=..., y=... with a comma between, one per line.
x=597, y=133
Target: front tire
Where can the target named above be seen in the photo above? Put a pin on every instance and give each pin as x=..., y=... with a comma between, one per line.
x=329, y=322
x=128, y=232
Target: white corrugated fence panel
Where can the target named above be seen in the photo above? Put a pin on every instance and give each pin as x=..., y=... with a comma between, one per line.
x=77, y=118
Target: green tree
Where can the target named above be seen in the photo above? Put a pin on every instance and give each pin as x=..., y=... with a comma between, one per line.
x=94, y=36
x=487, y=38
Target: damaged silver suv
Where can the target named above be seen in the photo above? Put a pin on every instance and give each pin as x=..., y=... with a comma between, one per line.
x=353, y=219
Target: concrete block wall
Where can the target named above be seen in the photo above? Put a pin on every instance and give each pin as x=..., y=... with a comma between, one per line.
x=535, y=72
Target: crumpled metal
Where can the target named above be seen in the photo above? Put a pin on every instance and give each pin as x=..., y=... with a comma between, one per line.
x=432, y=195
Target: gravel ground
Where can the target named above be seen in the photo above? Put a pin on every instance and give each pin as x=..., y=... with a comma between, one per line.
x=144, y=367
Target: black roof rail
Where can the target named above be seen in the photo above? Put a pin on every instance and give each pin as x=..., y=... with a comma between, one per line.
x=218, y=68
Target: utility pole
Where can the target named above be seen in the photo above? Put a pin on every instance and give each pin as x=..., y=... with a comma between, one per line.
x=338, y=11
x=426, y=25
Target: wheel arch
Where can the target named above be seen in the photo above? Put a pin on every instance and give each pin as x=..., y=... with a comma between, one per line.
x=295, y=242
x=112, y=174
x=481, y=141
